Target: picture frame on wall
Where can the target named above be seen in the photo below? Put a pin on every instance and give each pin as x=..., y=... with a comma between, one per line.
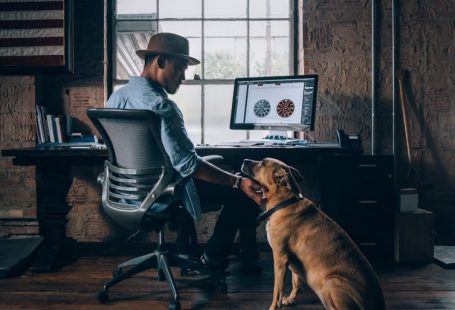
x=36, y=37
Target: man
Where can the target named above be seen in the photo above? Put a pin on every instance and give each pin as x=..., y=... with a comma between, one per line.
x=166, y=59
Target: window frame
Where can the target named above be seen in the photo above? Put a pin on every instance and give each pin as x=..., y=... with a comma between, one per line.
x=112, y=82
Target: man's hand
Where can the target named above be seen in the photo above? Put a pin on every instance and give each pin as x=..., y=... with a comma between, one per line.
x=250, y=189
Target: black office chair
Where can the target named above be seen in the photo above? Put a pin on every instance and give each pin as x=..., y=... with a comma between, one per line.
x=141, y=192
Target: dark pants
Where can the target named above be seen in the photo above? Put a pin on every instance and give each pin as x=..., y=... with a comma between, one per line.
x=238, y=213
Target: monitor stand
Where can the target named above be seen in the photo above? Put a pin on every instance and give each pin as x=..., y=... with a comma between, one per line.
x=279, y=135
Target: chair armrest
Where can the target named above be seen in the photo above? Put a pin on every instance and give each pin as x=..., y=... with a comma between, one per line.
x=213, y=158
x=100, y=178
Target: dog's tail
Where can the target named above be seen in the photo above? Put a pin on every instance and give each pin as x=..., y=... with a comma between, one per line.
x=338, y=294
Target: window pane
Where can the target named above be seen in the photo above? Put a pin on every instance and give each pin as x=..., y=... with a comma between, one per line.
x=218, y=102
x=269, y=48
x=188, y=99
x=192, y=31
x=276, y=9
x=225, y=50
x=127, y=62
x=225, y=9
x=136, y=7
x=180, y=8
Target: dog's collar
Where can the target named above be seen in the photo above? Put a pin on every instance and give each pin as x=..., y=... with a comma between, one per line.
x=285, y=203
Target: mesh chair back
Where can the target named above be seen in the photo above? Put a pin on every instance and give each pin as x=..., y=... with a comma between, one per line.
x=138, y=172
x=132, y=137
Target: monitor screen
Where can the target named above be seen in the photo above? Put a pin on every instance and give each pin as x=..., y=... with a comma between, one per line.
x=274, y=103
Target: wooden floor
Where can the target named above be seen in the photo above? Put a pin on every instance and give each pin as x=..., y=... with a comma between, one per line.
x=76, y=284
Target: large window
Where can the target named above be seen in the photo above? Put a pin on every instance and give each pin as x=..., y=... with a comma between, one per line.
x=235, y=38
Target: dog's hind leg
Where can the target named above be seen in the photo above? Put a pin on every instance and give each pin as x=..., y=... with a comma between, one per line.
x=279, y=267
x=290, y=300
x=336, y=295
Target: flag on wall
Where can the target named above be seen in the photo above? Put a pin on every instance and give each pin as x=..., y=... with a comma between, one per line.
x=32, y=33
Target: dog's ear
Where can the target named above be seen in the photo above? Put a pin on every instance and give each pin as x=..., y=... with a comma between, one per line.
x=296, y=174
x=294, y=178
x=285, y=177
x=281, y=177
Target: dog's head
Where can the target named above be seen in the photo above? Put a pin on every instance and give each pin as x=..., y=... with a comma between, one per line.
x=275, y=177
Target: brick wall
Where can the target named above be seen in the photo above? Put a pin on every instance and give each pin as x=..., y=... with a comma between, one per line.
x=427, y=52
x=17, y=184
x=336, y=44
x=73, y=94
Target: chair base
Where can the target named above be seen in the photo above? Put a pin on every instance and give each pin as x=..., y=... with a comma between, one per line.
x=161, y=260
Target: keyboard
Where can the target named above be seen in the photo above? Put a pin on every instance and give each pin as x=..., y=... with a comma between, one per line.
x=240, y=143
x=316, y=144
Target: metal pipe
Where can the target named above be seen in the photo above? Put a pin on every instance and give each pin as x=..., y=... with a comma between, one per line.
x=203, y=73
x=394, y=86
x=394, y=68
x=109, y=41
x=374, y=69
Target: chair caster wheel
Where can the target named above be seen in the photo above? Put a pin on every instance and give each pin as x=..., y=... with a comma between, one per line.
x=223, y=288
x=116, y=272
x=103, y=296
x=175, y=305
x=161, y=275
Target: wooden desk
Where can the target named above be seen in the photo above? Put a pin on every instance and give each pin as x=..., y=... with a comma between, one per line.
x=288, y=154
x=53, y=181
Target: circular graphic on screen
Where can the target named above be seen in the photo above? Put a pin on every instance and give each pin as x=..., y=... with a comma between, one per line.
x=285, y=108
x=261, y=108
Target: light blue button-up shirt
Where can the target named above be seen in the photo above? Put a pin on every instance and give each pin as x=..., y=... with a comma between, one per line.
x=142, y=93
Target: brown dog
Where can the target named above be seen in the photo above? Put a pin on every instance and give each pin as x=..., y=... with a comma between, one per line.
x=311, y=244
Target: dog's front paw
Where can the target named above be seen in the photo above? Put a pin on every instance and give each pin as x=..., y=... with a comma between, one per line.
x=275, y=306
x=287, y=301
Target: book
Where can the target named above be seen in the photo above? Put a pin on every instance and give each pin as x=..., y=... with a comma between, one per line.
x=54, y=129
x=39, y=126
x=58, y=128
x=43, y=112
x=50, y=127
x=79, y=137
x=75, y=144
x=68, y=125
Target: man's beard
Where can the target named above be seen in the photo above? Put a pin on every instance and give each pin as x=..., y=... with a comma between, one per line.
x=173, y=90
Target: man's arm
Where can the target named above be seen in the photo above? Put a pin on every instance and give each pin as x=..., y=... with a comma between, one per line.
x=211, y=173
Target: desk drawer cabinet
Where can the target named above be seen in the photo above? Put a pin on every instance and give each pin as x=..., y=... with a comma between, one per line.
x=357, y=192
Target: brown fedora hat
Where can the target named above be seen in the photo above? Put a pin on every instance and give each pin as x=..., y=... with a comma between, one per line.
x=165, y=43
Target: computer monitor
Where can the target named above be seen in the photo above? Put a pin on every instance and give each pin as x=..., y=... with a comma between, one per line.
x=279, y=103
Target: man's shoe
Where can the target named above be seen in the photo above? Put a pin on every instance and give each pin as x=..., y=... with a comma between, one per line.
x=188, y=256
x=213, y=264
